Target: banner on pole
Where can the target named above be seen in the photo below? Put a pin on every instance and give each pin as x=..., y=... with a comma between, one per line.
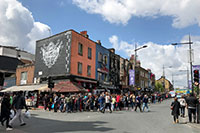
x=131, y=77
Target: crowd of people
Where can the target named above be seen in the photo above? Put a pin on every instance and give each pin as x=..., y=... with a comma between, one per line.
x=178, y=107
x=101, y=102
x=71, y=103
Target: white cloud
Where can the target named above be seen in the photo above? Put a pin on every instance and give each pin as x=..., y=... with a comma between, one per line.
x=156, y=55
x=183, y=12
x=18, y=27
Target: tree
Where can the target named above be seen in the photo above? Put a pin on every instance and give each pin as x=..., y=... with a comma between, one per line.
x=159, y=87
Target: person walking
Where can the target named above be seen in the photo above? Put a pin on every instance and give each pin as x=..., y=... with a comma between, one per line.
x=138, y=103
x=183, y=104
x=101, y=103
x=175, y=107
x=56, y=101
x=145, y=103
x=108, y=102
x=45, y=101
x=5, y=111
x=18, y=104
x=191, y=106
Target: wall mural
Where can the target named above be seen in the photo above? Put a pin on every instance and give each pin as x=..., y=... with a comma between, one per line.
x=50, y=52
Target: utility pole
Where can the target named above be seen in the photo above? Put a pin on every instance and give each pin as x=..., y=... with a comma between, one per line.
x=190, y=58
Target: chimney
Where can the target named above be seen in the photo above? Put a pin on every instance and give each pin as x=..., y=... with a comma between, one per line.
x=99, y=42
x=84, y=33
x=112, y=50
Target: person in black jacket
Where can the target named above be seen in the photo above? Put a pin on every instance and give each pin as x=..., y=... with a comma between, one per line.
x=18, y=104
x=191, y=106
x=175, y=107
x=5, y=111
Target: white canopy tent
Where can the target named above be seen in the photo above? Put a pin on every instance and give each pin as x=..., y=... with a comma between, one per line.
x=40, y=87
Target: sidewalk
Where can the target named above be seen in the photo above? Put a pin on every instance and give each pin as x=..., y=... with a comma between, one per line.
x=185, y=120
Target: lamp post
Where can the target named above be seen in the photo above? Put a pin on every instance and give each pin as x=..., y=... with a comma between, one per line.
x=190, y=51
x=136, y=49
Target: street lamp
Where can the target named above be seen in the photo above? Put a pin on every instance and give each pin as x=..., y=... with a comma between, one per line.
x=136, y=49
x=190, y=50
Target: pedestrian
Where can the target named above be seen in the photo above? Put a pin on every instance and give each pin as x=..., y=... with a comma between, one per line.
x=145, y=103
x=118, y=102
x=108, y=102
x=132, y=101
x=45, y=101
x=18, y=104
x=113, y=103
x=5, y=111
x=56, y=101
x=191, y=106
x=183, y=105
x=101, y=103
x=175, y=107
x=138, y=103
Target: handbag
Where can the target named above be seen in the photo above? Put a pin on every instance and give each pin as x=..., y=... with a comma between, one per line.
x=52, y=106
x=27, y=114
x=12, y=113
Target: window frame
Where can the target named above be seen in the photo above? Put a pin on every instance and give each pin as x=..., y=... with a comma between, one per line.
x=81, y=65
x=89, y=68
x=89, y=53
x=80, y=49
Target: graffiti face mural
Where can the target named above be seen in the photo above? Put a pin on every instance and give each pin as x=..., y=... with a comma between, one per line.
x=50, y=53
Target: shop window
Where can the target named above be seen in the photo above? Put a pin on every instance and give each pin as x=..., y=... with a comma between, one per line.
x=79, y=68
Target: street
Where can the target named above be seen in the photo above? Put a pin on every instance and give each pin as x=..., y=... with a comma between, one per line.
x=159, y=120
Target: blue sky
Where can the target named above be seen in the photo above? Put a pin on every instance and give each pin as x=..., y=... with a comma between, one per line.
x=61, y=15
x=117, y=23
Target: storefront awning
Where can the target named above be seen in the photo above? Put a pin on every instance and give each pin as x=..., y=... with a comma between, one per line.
x=68, y=86
x=40, y=87
x=86, y=80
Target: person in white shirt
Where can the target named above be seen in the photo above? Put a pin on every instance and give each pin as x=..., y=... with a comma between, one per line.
x=183, y=105
x=108, y=101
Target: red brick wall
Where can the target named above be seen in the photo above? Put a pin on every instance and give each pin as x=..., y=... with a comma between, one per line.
x=75, y=57
x=30, y=74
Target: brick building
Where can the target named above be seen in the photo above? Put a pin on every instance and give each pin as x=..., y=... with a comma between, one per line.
x=25, y=74
x=67, y=56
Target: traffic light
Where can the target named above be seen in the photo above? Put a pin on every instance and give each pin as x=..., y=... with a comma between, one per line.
x=50, y=82
x=196, y=76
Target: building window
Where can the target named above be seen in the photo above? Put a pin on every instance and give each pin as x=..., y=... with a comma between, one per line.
x=89, y=70
x=23, y=78
x=79, y=68
x=105, y=60
x=100, y=57
x=80, y=49
x=106, y=78
x=99, y=76
x=89, y=53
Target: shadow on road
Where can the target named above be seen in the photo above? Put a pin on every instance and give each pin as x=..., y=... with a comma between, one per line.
x=40, y=125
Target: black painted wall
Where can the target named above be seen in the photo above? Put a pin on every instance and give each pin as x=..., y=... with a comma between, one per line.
x=52, y=57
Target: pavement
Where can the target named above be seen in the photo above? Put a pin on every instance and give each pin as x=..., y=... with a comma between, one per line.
x=158, y=120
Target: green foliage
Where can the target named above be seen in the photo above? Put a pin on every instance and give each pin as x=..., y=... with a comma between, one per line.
x=159, y=87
